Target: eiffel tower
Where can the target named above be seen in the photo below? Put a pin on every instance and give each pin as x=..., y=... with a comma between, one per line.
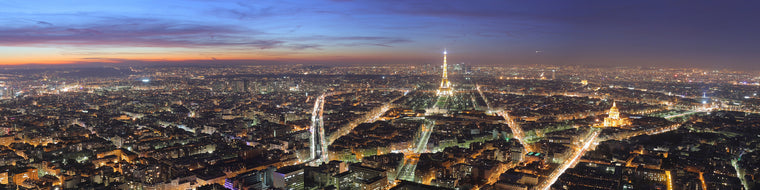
x=445, y=89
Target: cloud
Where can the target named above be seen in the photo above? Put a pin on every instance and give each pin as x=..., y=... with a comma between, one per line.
x=453, y=9
x=294, y=29
x=44, y=23
x=305, y=46
x=149, y=32
x=244, y=11
x=136, y=32
x=101, y=61
x=357, y=40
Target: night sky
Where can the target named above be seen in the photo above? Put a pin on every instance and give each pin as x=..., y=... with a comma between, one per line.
x=711, y=34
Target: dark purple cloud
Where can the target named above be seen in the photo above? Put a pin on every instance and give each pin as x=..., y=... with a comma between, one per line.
x=135, y=32
x=141, y=32
x=44, y=23
x=382, y=41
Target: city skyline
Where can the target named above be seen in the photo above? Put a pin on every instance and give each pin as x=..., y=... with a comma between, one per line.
x=712, y=35
x=379, y=95
x=378, y=127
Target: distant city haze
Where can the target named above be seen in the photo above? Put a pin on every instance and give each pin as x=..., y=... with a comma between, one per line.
x=704, y=34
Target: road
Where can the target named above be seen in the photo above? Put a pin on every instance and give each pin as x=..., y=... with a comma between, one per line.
x=654, y=131
x=319, y=141
x=370, y=117
x=739, y=172
x=427, y=130
x=517, y=131
x=503, y=167
x=587, y=142
x=483, y=96
x=317, y=130
x=406, y=171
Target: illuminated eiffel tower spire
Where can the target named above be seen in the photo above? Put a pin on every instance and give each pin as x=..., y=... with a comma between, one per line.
x=445, y=89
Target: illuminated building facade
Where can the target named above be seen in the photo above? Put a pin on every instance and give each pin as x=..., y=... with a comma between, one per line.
x=613, y=118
